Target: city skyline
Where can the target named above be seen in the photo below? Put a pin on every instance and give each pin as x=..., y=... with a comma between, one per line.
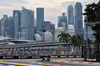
x=51, y=10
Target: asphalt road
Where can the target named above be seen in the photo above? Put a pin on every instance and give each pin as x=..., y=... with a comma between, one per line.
x=32, y=61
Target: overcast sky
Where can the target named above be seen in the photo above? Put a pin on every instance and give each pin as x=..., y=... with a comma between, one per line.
x=52, y=8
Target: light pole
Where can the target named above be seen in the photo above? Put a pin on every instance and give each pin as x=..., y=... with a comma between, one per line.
x=86, y=49
x=43, y=30
x=44, y=38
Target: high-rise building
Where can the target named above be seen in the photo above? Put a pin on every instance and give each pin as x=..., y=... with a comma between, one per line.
x=0, y=27
x=53, y=29
x=14, y=13
x=47, y=25
x=27, y=20
x=78, y=19
x=70, y=17
x=40, y=19
x=10, y=28
x=17, y=21
x=4, y=21
x=62, y=21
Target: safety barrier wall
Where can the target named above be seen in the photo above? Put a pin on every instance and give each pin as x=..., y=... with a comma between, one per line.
x=37, y=57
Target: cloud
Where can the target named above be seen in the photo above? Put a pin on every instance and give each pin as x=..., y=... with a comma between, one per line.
x=10, y=3
x=7, y=6
x=67, y=3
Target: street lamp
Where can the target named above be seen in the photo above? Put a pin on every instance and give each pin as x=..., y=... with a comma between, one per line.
x=43, y=30
x=86, y=42
x=44, y=38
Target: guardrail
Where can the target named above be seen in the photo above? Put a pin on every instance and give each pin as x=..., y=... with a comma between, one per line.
x=38, y=57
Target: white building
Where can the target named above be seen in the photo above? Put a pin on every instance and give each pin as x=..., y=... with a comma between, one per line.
x=58, y=31
x=47, y=38
x=71, y=30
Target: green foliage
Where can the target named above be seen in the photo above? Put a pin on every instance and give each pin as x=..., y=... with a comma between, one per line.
x=64, y=37
x=78, y=40
x=74, y=41
x=92, y=12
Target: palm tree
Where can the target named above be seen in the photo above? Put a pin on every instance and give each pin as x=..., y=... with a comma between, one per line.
x=64, y=37
x=61, y=37
x=77, y=41
x=80, y=40
x=74, y=41
x=68, y=38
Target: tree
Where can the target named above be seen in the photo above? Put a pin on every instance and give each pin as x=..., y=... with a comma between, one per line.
x=74, y=41
x=64, y=37
x=89, y=46
x=78, y=41
x=92, y=12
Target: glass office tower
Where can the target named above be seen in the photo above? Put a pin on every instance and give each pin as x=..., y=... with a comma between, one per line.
x=17, y=22
x=4, y=21
x=40, y=19
x=27, y=21
x=62, y=21
x=0, y=27
x=78, y=19
x=70, y=16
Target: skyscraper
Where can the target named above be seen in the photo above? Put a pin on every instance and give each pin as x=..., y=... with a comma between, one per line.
x=70, y=17
x=47, y=25
x=17, y=21
x=53, y=29
x=50, y=27
x=0, y=27
x=4, y=21
x=27, y=20
x=10, y=28
x=78, y=19
x=40, y=19
x=62, y=21
x=14, y=13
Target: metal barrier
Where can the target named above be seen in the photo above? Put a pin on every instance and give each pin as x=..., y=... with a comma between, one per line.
x=38, y=57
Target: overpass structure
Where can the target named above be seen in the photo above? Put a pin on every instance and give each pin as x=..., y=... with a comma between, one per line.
x=30, y=49
x=27, y=45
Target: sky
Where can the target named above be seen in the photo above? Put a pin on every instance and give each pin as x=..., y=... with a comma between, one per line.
x=52, y=8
